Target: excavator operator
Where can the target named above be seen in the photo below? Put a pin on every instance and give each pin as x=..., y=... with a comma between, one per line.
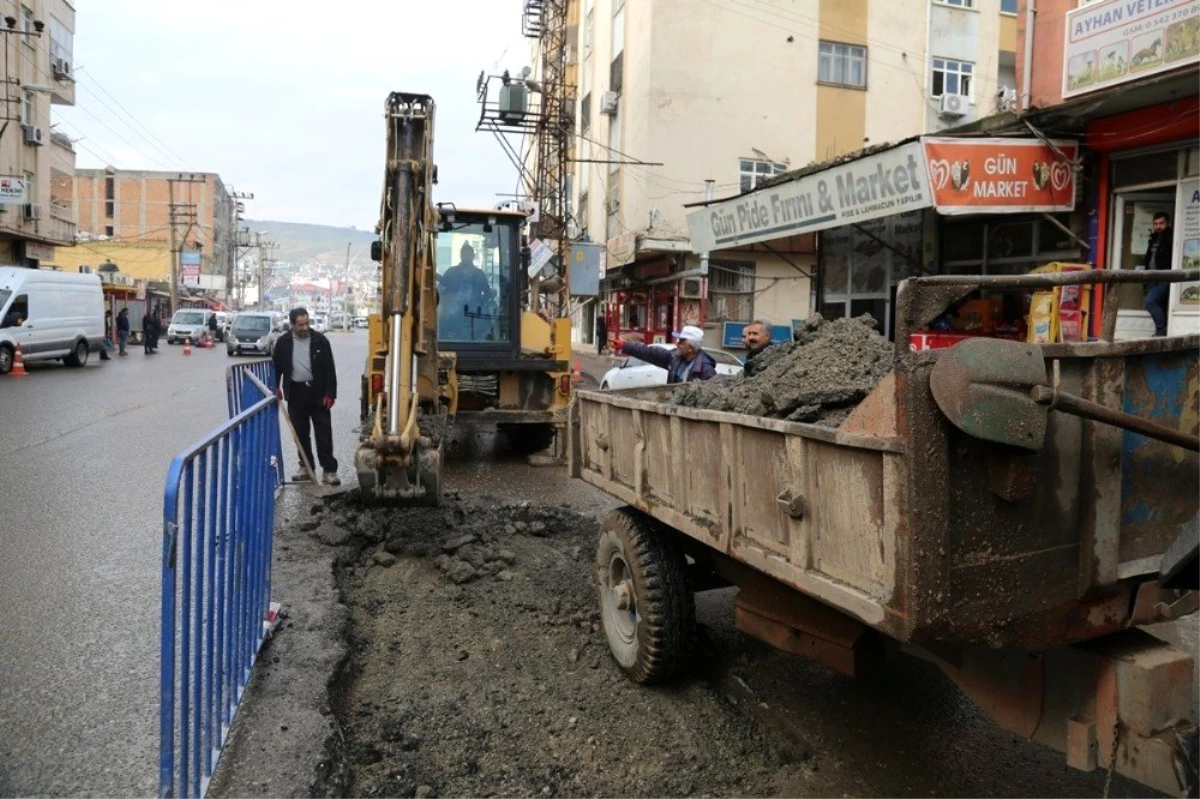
x=465, y=293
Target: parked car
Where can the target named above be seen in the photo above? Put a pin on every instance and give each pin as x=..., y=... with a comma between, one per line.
x=360, y=321
x=319, y=324
x=636, y=373
x=52, y=315
x=188, y=323
x=255, y=333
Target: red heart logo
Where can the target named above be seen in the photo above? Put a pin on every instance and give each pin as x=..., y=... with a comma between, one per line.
x=939, y=172
x=1060, y=176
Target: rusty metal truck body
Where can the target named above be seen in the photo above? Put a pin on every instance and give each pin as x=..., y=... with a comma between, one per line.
x=898, y=531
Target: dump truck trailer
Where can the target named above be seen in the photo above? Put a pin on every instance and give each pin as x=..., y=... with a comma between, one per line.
x=1023, y=572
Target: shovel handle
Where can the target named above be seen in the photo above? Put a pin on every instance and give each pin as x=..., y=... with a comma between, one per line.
x=1077, y=406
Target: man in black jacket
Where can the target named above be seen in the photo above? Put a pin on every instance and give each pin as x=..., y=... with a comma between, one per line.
x=1158, y=256
x=306, y=377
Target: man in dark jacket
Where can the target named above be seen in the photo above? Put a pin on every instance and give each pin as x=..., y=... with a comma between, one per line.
x=601, y=333
x=687, y=362
x=123, y=329
x=1158, y=256
x=150, y=331
x=306, y=377
x=757, y=338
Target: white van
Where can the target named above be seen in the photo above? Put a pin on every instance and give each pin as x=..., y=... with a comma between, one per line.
x=52, y=315
x=255, y=333
x=188, y=323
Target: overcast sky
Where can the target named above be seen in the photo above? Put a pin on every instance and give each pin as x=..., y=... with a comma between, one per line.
x=284, y=98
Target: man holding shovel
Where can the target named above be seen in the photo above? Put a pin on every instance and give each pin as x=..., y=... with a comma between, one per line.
x=305, y=376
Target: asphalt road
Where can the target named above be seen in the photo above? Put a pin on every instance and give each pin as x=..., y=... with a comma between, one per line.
x=83, y=459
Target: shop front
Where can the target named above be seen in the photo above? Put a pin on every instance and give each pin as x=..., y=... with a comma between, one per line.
x=1149, y=165
x=926, y=206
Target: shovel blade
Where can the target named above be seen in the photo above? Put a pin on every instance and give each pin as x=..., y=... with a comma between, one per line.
x=982, y=386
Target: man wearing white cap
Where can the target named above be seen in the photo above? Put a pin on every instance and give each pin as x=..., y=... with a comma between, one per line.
x=687, y=362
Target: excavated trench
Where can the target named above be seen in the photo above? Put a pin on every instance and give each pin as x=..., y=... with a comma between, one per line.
x=477, y=667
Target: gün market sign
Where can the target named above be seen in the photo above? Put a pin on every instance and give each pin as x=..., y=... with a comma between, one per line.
x=953, y=176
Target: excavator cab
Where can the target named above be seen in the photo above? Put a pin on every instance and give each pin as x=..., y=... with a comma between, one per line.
x=512, y=364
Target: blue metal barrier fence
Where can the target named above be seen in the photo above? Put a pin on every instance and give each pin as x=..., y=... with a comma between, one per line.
x=218, y=529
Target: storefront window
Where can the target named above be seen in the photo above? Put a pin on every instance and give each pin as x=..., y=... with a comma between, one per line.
x=962, y=241
x=1009, y=247
x=1143, y=170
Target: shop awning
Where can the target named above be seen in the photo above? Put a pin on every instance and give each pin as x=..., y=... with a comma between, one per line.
x=953, y=175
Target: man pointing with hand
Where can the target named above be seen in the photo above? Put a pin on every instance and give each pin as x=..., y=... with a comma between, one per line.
x=305, y=375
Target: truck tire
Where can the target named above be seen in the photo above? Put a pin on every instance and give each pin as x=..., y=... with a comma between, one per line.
x=646, y=609
x=527, y=439
x=79, y=355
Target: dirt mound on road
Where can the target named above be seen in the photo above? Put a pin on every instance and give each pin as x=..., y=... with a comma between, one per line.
x=479, y=668
x=819, y=378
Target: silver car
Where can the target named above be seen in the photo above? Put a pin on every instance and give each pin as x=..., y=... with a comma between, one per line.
x=254, y=334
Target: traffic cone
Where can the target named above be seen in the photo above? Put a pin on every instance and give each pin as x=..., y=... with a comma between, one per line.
x=577, y=373
x=187, y=345
x=18, y=367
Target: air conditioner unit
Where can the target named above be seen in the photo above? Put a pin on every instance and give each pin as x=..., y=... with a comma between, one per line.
x=33, y=135
x=61, y=68
x=692, y=288
x=952, y=105
x=33, y=211
x=608, y=103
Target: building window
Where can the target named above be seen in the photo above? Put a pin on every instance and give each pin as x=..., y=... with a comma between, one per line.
x=588, y=34
x=110, y=198
x=61, y=41
x=612, y=206
x=28, y=114
x=842, y=65
x=585, y=166
x=1008, y=6
x=952, y=77
x=614, y=142
x=615, y=73
x=109, y=231
x=585, y=113
x=31, y=187
x=730, y=290
x=27, y=25
x=581, y=215
x=956, y=3
x=753, y=171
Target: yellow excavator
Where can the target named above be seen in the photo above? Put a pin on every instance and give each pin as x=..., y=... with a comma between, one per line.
x=455, y=341
x=512, y=364
x=409, y=395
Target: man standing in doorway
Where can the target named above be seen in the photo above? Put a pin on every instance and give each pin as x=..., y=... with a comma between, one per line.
x=304, y=366
x=1158, y=256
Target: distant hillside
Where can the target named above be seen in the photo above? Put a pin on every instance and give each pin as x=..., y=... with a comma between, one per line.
x=299, y=242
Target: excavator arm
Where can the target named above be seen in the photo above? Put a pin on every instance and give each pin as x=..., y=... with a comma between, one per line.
x=408, y=386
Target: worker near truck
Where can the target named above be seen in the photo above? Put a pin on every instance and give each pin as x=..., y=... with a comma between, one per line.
x=687, y=362
x=305, y=376
x=756, y=338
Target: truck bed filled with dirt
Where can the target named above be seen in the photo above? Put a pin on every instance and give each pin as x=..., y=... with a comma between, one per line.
x=819, y=378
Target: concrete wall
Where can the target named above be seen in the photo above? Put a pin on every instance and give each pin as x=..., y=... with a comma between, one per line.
x=961, y=34
x=1048, y=32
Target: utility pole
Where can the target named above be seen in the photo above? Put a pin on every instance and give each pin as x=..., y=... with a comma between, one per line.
x=263, y=248
x=238, y=207
x=183, y=213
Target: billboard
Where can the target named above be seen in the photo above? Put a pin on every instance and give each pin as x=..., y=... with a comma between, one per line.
x=12, y=190
x=977, y=176
x=189, y=267
x=1111, y=42
x=867, y=188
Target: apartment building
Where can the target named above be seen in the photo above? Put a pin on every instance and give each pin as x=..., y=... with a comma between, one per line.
x=678, y=92
x=130, y=216
x=36, y=163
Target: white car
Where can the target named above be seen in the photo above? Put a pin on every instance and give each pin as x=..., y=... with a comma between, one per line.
x=635, y=373
x=319, y=324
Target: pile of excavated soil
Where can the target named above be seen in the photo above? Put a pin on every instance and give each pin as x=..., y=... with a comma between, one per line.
x=818, y=378
x=478, y=668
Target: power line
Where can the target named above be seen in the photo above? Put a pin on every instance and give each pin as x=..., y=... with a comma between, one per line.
x=167, y=149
